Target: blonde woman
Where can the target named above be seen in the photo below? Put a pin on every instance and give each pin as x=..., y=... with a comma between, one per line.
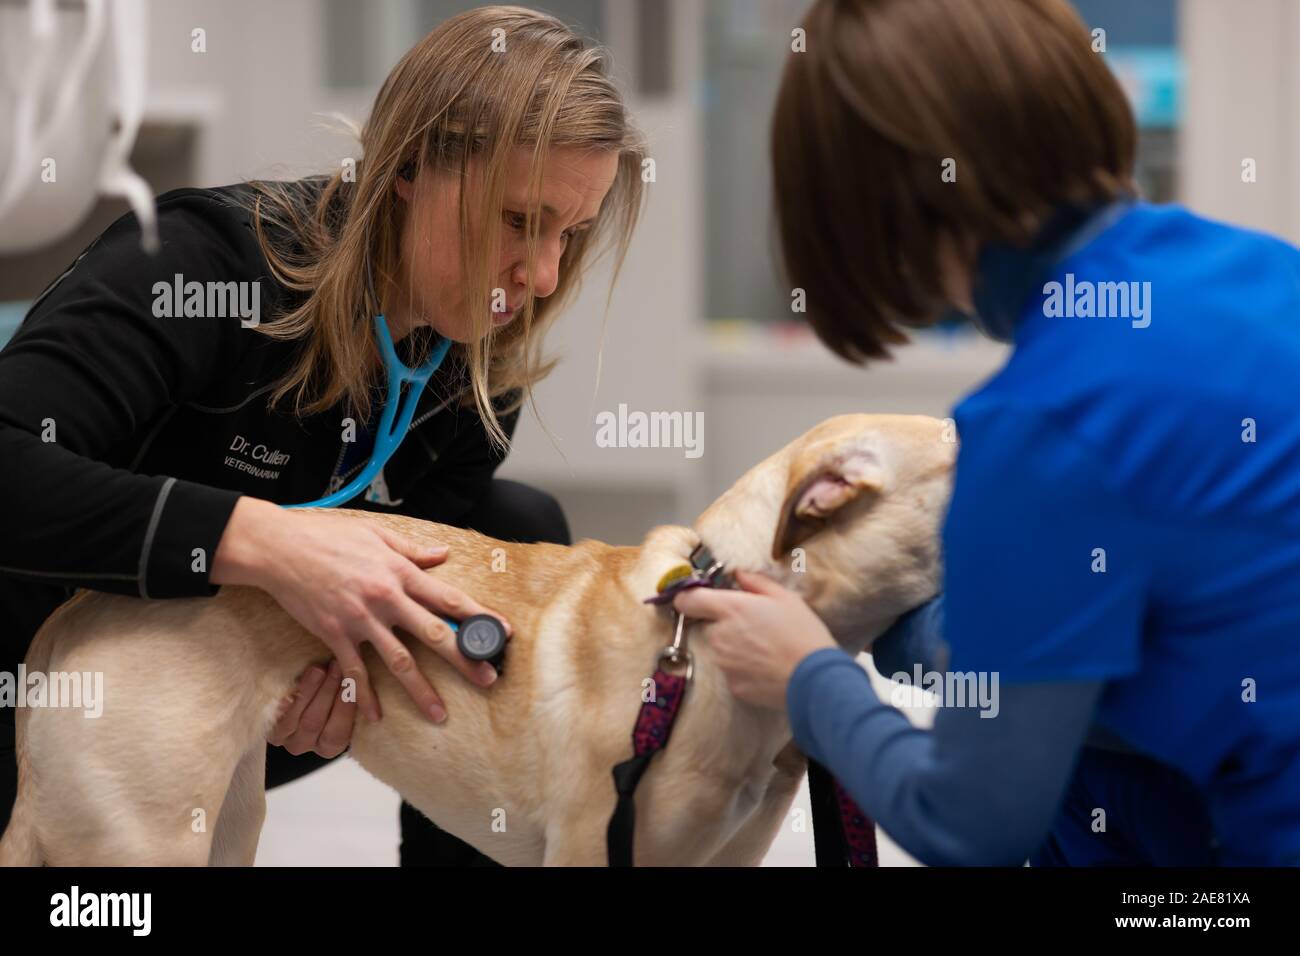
x=149, y=444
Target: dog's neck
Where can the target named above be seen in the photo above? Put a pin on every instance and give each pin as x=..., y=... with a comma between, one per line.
x=738, y=547
x=754, y=734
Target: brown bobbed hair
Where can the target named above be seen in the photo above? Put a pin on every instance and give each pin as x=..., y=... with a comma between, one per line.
x=866, y=119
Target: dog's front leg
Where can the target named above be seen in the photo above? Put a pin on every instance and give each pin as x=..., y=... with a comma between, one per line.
x=239, y=825
x=755, y=837
x=577, y=840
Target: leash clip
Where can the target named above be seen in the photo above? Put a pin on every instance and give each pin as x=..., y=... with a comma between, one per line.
x=675, y=653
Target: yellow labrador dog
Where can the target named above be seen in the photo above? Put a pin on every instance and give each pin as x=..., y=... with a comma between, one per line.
x=846, y=515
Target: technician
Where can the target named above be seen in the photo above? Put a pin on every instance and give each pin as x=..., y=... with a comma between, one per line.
x=1123, y=542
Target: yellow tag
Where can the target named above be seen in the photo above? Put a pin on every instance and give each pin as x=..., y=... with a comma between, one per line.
x=673, y=575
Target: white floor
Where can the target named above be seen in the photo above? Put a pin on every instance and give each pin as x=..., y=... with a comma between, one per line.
x=342, y=816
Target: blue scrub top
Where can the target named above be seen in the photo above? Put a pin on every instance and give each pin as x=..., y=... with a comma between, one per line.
x=1169, y=445
x=1126, y=516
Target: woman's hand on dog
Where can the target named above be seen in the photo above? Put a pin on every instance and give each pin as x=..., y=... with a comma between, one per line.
x=316, y=717
x=758, y=635
x=350, y=582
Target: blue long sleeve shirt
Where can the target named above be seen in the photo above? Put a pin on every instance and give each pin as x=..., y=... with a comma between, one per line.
x=1121, y=548
x=975, y=790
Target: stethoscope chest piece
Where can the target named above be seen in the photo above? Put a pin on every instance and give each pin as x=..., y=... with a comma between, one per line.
x=481, y=637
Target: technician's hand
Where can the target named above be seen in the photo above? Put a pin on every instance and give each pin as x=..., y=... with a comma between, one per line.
x=759, y=635
x=315, y=717
x=350, y=582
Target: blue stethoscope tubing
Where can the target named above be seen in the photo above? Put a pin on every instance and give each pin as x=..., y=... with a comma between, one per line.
x=398, y=411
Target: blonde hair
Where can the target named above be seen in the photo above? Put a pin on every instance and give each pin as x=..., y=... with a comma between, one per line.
x=479, y=85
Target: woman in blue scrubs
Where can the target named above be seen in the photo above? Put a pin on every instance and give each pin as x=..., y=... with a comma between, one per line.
x=1123, y=542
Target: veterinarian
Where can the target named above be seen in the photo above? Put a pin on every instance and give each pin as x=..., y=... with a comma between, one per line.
x=150, y=437
x=1122, y=544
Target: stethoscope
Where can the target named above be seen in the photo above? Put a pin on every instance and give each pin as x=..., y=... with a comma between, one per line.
x=405, y=386
x=480, y=637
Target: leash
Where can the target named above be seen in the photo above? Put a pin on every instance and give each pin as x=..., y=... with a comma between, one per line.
x=842, y=834
x=654, y=724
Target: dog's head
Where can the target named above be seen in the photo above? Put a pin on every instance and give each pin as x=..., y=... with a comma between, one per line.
x=848, y=515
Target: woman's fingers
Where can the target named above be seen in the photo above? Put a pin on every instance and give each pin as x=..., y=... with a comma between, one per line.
x=708, y=604
x=448, y=600
x=398, y=659
x=316, y=718
x=337, y=733
x=287, y=723
x=354, y=669
x=315, y=714
x=422, y=555
x=435, y=632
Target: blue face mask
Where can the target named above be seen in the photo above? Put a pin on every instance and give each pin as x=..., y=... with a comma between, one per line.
x=1006, y=277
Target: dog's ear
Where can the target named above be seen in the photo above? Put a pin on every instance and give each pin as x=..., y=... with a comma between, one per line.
x=819, y=486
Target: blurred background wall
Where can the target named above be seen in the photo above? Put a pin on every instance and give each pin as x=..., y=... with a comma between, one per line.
x=700, y=319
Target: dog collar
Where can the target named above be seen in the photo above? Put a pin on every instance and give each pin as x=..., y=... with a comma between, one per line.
x=703, y=561
x=842, y=832
x=703, y=571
